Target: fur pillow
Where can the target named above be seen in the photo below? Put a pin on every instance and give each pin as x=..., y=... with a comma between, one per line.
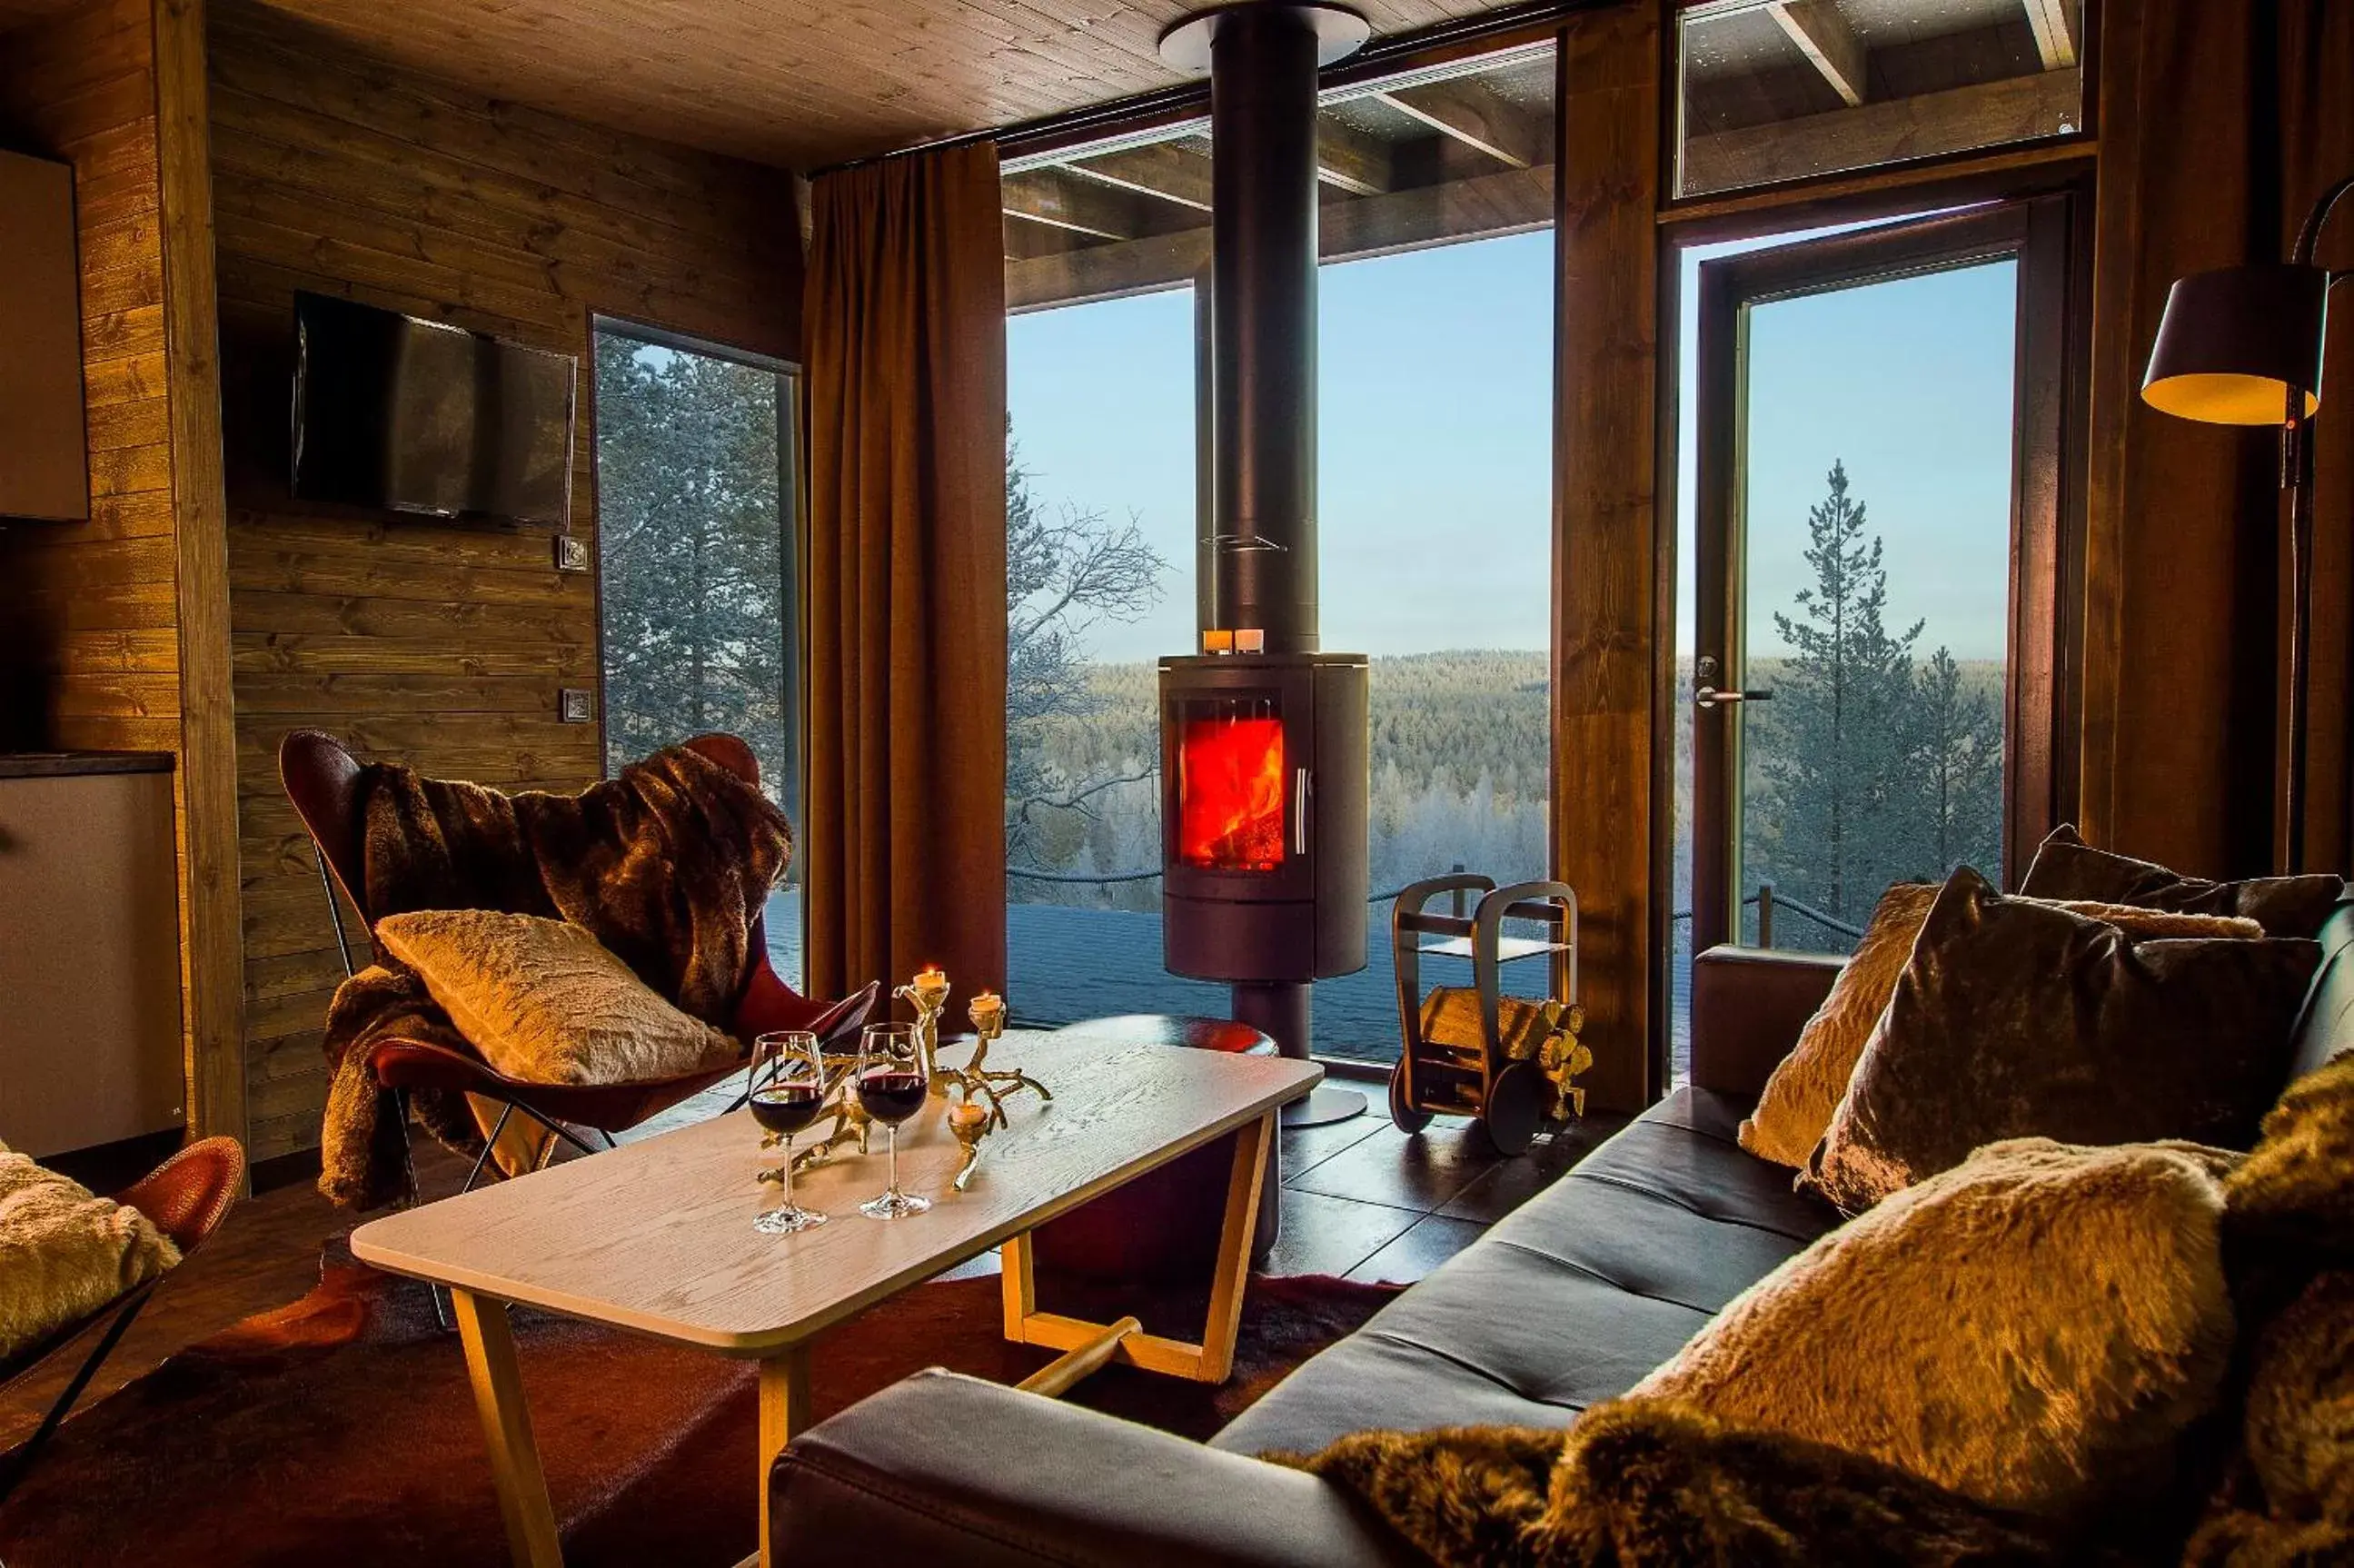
x=1807, y=1085
x=545, y=1003
x=2066, y=866
x=1648, y=1484
x=2034, y=1330
x=2017, y=1018
x=65, y=1253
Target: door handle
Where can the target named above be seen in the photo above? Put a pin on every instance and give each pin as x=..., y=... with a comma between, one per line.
x=1302, y=785
x=1710, y=697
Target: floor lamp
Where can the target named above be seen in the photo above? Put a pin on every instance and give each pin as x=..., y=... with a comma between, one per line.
x=2242, y=346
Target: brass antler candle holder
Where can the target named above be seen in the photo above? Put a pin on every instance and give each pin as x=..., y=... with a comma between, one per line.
x=972, y=1118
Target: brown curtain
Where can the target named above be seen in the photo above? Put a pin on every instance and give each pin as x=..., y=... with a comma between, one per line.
x=2218, y=124
x=905, y=844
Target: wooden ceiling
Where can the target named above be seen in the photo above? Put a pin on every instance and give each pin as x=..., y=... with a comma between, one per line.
x=799, y=83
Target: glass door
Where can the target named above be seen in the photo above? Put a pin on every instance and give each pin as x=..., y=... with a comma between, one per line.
x=1874, y=673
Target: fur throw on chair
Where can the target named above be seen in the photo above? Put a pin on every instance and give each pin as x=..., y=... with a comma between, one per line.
x=668, y=865
x=1651, y=1484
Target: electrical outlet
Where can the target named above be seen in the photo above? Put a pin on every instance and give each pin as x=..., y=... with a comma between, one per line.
x=571, y=554
x=575, y=704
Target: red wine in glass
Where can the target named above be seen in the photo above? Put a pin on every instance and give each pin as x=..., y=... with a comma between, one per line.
x=891, y=1096
x=785, y=1108
x=891, y=1088
x=788, y=1093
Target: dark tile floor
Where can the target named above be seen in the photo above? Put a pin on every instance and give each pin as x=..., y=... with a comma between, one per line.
x=1366, y=1201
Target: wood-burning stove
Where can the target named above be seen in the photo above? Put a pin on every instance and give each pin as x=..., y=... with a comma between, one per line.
x=1263, y=816
x=1264, y=743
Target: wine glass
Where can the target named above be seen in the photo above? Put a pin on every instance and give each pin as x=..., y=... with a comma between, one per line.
x=787, y=1091
x=892, y=1086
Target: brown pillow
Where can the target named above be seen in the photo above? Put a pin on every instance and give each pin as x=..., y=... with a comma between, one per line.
x=2017, y=1018
x=2066, y=866
x=545, y=1003
x=1807, y=1085
x=65, y=1253
x=2035, y=1329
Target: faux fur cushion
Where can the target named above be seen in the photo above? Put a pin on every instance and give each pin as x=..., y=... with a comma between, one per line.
x=65, y=1253
x=545, y=1003
x=2016, y=1019
x=1645, y=1484
x=2034, y=1330
x=2066, y=866
x=1807, y=1085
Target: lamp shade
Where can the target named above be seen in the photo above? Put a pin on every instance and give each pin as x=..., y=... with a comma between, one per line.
x=2234, y=341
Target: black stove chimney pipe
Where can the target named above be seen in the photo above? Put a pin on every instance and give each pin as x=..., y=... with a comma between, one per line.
x=1263, y=322
x=1263, y=57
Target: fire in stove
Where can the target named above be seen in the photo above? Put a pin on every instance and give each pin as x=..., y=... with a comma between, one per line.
x=1230, y=792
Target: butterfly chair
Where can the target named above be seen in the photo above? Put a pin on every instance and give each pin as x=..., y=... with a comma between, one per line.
x=187, y=1197
x=322, y=778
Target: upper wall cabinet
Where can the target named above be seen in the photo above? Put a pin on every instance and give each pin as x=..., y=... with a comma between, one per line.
x=44, y=452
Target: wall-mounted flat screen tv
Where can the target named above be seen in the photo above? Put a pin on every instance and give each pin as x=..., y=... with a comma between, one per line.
x=409, y=415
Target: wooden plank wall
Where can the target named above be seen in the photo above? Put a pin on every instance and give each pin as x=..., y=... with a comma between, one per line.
x=441, y=646
x=115, y=638
x=93, y=603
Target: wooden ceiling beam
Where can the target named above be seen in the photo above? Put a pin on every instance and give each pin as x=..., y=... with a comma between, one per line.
x=1165, y=171
x=1990, y=114
x=1058, y=200
x=1478, y=116
x=1512, y=201
x=1829, y=44
x=1349, y=160
x=2055, y=43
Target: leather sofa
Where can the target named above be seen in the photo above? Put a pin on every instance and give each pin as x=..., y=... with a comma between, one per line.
x=1566, y=1302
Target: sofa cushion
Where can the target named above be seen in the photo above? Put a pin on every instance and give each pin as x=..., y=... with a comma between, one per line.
x=2066, y=866
x=2019, y=1019
x=2035, y=1329
x=1806, y=1086
x=1628, y=1255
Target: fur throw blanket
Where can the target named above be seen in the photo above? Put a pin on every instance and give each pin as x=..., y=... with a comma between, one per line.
x=668, y=865
x=1652, y=1484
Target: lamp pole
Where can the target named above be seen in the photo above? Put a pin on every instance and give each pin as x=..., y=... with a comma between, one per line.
x=2296, y=478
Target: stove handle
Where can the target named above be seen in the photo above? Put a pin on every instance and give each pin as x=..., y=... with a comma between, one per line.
x=1303, y=784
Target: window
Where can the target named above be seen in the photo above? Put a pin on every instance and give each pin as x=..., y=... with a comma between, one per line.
x=697, y=546
x=1435, y=515
x=1781, y=89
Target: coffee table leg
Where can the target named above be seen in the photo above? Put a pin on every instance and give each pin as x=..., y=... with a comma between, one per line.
x=784, y=1410
x=506, y=1428
x=1212, y=1360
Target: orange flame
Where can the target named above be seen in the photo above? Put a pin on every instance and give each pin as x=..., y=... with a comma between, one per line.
x=1230, y=794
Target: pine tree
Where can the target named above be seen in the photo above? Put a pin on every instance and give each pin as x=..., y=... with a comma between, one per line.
x=1958, y=813
x=1837, y=768
x=691, y=534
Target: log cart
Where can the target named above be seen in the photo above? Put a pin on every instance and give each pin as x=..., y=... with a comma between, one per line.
x=1508, y=1062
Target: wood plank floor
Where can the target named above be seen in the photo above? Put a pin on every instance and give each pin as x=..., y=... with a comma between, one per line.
x=1361, y=1199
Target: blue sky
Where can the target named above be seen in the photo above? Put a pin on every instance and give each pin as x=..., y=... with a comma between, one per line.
x=1435, y=445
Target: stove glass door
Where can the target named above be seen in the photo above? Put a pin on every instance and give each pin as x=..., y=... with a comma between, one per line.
x=1233, y=785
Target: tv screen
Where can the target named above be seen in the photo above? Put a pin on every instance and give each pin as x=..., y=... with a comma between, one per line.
x=414, y=416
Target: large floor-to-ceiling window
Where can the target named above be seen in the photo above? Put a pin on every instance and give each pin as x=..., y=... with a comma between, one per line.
x=696, y=550
x=1434, y=511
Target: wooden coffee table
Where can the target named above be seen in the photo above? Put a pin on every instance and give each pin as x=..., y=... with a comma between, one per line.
x=657, y=1237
